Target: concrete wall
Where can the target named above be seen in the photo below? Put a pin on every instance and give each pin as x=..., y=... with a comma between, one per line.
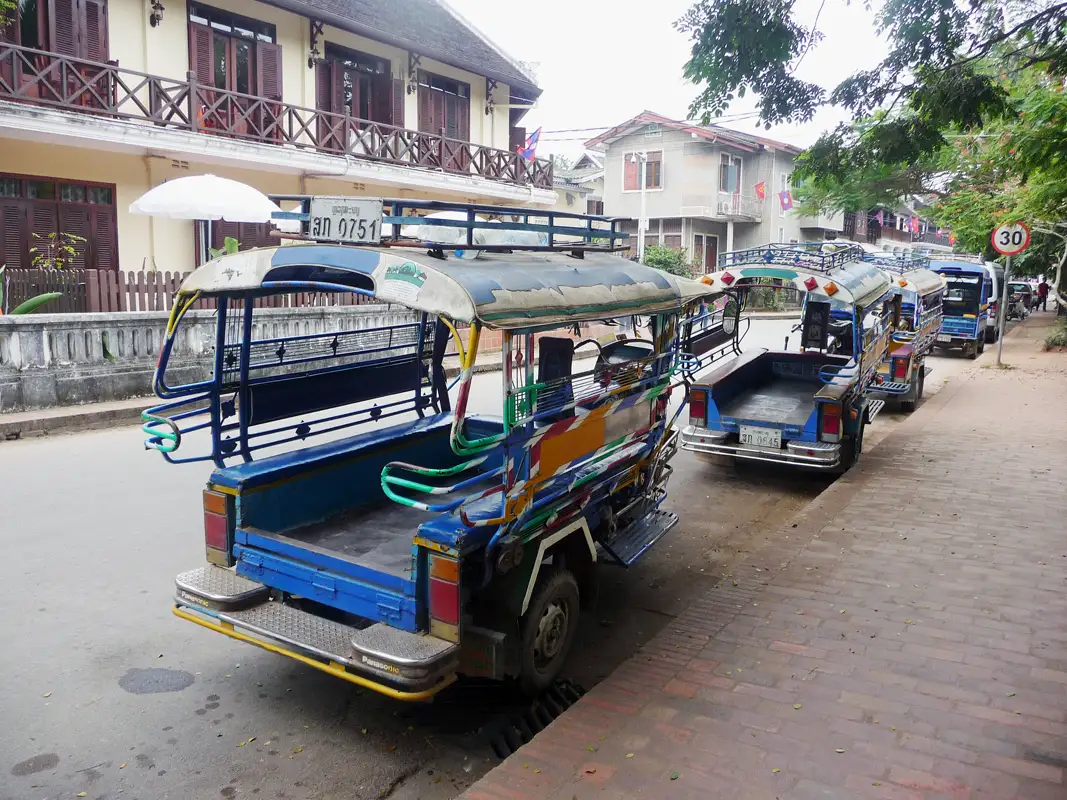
x=66, y=359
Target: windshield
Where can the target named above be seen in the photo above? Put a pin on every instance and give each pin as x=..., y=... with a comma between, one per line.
x=1020, y=288
x=962, y=294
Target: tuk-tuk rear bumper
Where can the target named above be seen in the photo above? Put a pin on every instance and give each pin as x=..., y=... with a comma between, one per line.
x=399, y=664
x=811, y=455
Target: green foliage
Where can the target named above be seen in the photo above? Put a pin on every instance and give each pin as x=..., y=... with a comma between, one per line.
x=8, y=9
x=229, y=246
x=934, y=79
x=668, y=259
x=55, y=250
x=1057, y=338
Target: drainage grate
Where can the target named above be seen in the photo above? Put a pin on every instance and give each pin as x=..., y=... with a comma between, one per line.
x=508, y=735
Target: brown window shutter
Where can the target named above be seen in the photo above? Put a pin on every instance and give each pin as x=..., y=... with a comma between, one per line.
x=42, y=221
x=399, y=93
x=269, y=70
x=324, y=85
x=201, y=57
x=104, y=253
x=451, y=116
x=12, y=236
x=516, y=138
x=425, y=110
x=96, y=42
x=463, y=108
x=630, y=172
x=220, y=229
x=74, y=220
x=63, y=27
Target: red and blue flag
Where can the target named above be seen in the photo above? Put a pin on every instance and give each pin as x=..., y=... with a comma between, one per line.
x=528, y=150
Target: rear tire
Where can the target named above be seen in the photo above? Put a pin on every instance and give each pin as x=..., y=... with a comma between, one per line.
x=922, y=382
x=548, y=629
x=854, y=446
x=972, y=350
x=981, y=347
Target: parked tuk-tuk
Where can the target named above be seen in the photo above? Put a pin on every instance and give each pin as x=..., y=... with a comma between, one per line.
x=806, y=407
x=969, y=287
x=915, y=321
x=359, y=518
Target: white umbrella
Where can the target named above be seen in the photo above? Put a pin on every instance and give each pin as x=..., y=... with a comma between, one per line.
x=205, y=197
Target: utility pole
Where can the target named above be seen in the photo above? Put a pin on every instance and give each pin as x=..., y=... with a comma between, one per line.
x=642, y=222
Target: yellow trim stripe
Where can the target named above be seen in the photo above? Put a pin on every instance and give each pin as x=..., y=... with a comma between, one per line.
x=332, y=668
x=440, y=548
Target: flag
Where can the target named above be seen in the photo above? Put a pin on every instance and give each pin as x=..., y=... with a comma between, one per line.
x=528, y=150
x=786, y=199
x=761, y=189
x=880, y=216
x=914, y=224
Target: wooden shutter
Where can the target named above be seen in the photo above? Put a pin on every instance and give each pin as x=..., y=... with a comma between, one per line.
x=451, y=116
x=381, y=99
x=96, y=41
x=104, y=253
x=63, y=27
x=12, y=234
x=324, y=86
x=399, y=93
x=463, y=119
x=201, y=55
x=425, y=110
x=631, y=169
x=516, y=138
x=74, y=219
x=43, y=221
x=269, y=70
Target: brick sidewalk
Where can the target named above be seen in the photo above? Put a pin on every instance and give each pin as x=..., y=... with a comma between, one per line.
x=906, y=639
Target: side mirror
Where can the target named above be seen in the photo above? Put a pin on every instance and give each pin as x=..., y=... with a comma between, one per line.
x=729, y=318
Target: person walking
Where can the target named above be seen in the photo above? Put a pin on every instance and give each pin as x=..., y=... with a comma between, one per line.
x=1042, y=294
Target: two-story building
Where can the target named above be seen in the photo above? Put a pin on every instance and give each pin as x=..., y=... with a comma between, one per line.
x=101, y=100
x=699, y=187
x=580, y=187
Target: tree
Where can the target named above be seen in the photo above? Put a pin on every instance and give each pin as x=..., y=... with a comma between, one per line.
x=668, y=259
x=933, y=80
x=560, y=161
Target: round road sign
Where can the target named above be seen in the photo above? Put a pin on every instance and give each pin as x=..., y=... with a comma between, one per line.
x=1011, y=238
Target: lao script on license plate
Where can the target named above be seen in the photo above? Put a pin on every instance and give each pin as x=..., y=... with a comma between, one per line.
x=943, y=338
x=345, y=219
x=761, y=437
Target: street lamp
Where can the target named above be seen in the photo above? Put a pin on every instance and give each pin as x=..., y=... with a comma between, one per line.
x=642, y=222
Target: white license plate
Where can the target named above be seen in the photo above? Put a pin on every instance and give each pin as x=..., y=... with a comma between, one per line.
x=943, y=338
x=761, y=437
x=345, y=219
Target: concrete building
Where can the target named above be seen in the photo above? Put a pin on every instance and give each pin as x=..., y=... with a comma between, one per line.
x=700, y=186
x=580, y=188
x=100, y=100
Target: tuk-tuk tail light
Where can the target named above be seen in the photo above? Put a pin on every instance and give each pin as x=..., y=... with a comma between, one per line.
x=444, y=596
x=218, y=529
x=698, y=409
x=831, y=421
x=900, y=368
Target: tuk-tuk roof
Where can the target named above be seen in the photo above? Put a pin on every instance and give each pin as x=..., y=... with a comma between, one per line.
x=852, y=281
x=920, y=281
x=500, y=290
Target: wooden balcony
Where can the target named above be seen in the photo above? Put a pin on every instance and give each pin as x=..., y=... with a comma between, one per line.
x=106, y=90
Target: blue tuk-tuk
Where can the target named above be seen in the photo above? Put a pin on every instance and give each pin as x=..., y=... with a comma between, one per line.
x=969, y=290
x=359, y=518
x=915, y=322
x=807, y=407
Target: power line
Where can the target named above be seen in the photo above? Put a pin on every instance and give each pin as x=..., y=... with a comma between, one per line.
x=714, y=120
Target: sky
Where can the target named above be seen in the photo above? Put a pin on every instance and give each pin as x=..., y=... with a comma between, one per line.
x=600, y=62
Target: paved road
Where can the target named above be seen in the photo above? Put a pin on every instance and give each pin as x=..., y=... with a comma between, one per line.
x=107, y=693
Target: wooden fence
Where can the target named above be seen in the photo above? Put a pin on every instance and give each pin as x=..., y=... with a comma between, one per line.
x=92, y=290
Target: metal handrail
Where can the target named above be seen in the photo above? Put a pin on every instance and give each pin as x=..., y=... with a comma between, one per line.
x=806, y=256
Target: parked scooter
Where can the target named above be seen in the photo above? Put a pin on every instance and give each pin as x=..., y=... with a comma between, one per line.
x=1016, y=308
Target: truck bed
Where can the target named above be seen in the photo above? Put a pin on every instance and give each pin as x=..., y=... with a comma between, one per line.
x=781, y=401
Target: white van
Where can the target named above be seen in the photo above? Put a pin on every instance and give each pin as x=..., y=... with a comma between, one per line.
x=992, y=323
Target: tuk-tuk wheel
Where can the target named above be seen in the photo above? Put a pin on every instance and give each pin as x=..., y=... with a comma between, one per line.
x=981, y=346
x=548, y=629
x=853, y=448
x=972, y=350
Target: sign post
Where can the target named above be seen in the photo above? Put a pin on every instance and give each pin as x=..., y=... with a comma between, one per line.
x=1009, y=240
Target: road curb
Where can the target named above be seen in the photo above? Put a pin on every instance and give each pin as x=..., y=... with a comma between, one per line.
x=72, y=419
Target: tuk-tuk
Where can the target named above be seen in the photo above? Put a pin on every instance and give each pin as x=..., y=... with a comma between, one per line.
x=359, y=518
x=806, y=407
x=969, y=287
x=915, y=321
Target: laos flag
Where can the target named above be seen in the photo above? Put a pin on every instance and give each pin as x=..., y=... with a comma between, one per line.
x=530, y=148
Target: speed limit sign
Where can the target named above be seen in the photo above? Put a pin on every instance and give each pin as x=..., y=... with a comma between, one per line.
x=1011, y=239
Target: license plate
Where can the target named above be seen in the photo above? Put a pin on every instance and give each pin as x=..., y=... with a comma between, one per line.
x=761, y=437
x=345, y=219
x=943, y=338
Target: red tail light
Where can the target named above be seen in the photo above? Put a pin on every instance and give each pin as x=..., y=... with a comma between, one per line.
x=218, y=529
x=831, y=419
x=698, y=408
x=444, y=596
x=900, y=368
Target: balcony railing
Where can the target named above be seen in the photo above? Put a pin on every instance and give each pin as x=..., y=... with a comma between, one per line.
x=738, y=205
x=105, y=90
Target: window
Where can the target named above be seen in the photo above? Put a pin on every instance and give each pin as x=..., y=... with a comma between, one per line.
x=76, y=28
x=31, y=208
x=633, y=163
x=444, y=105
x=591, y=206
x=355, y=84
x=785, y=181
x=729, y=173
x=234, y=53
x=653, y=132
x=781, y=235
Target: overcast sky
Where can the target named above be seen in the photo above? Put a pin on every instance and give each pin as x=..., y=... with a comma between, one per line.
x=600, y=62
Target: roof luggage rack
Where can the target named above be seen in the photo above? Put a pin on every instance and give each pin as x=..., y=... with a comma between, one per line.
x=470, y=226
x=814, y=256
x=970, y=258
x=898, y=262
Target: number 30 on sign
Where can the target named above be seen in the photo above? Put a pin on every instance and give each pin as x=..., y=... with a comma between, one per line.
x=1011, y=239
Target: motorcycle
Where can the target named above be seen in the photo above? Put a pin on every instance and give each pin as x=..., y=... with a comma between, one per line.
x=1016, y=309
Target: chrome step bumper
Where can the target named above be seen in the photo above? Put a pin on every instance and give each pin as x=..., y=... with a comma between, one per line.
x=410, y=665
x=813, y=455
x=633, y=542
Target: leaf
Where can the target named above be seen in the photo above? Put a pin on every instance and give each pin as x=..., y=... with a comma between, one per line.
x=122, y=766
x=797, y=706
x=47, y=694
x=298, y=749
x=776, y=770
x=31, y=305
x=907, y=622
x=1009, y=694
x=537, y=772
x=675, y=776
x=251, y=739
x=83, y=794
x=241, y=744
x=629, y=755
x=839, y=750
x=591, y=748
